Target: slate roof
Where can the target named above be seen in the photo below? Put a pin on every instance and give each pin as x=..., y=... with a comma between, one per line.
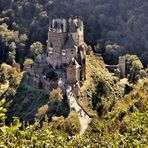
x=69, y=44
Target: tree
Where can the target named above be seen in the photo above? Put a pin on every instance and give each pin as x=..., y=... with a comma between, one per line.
x=144, y=58
x=2, y=77
x=2, y=112
x=10, y=74
x=72, y=125
x=134, y=66
x=129, y=62
x=56, y=96
x=112, y=52
x=11, y=57
x=36, y=49
x=28, y=63
x=4, y=68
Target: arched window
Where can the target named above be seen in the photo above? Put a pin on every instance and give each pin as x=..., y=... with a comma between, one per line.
x=62, y=27
x=55, y=25
x=51, y=45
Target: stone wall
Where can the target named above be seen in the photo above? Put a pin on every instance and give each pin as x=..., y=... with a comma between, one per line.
x=122, y=66
x=70, y=53
x=118, y=70
x=34, y=82
x=41, y=83
x=55, y=43
x=73, y=74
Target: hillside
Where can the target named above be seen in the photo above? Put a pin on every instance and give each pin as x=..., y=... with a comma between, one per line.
x=30, y=103
x=101, y=89
x=119, y=113
x=26, y=102
x=99, y=93
x=74, y=73
x=125, y=125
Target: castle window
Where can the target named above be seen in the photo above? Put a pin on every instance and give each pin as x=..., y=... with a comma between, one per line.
x=51, y=45
x=62, y=27
x=63, y=52
x=50, y=50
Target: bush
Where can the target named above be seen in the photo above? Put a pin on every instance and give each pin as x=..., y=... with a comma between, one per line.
x=42, y=111
x=71, y=125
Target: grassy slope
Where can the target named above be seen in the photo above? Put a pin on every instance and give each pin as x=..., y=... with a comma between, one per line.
x=26, y=102
x=95, y=73
x=30, y=103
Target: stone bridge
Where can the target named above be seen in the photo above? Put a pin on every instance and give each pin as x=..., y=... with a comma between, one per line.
x=74, y=105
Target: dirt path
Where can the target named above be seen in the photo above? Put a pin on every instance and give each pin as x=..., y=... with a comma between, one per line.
x=83, y=117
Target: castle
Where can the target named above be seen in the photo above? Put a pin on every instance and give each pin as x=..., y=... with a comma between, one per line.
x=63, y=63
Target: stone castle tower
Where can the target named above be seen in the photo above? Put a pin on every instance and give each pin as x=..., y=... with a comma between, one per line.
x=64, y=38
x=122, y=66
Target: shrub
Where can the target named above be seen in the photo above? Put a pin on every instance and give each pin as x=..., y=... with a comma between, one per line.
x=71, y=125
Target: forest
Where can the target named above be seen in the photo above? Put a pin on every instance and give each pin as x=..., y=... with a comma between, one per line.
x=31, y=117
x=121, y=24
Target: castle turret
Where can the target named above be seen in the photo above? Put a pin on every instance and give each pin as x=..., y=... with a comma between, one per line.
x=122, y=66
x=73, y=72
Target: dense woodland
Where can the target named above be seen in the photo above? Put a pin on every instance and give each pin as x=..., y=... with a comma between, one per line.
x=119, y=109
x=120, y=24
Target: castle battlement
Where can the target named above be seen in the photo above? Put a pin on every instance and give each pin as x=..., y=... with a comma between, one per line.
x=65, y=36
x=66, y=25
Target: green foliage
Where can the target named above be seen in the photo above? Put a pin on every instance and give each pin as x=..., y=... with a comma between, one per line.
x=122, y=23
x=134, y=68
x=36, y=49
x=125, y=125
x=5, y=71
x=30, y=103
x=56, y=96
x=28, y=63
x=2, y=112
x=114, y=27
x=10, y=80
x=101, y=90
x=10, y=41
x=72, y=125
x=112, y=52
